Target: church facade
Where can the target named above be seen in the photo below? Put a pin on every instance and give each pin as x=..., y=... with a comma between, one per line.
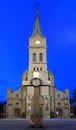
x=51, y=99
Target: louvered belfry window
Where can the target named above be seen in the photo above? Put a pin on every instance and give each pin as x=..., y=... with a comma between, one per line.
x=41, y=57
x=34, y=57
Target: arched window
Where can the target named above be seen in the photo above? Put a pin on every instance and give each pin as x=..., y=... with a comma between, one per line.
x=26, y=78
x=40, y=68
x=58, y=95
x=58, y=103
x=37, y=69
x=34, y=57
x=41, y=57
x=17, y=95
x=34, y=68
x=49, y=78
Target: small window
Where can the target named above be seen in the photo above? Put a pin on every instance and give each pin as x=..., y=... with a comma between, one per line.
x=17, y=95
x=17, y=103
x=41, y=57
x=34, y=57
x=26, y=78
x=58, y=95
x=34, y=68
x=40, y=68
x=49, y=78
x=58, y=103
x=29, y=104
x=46, y=98
x=37, y=69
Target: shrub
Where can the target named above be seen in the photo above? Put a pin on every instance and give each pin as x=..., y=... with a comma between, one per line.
x=23, y=115
x=52, y=115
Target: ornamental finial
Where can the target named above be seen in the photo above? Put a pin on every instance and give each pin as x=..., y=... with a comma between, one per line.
x=37, y=4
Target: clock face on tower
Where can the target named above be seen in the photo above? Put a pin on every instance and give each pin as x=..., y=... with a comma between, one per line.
x=36, y=82
x=37, y=41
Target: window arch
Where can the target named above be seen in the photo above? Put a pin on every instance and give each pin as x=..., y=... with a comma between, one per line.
x=26, y=78
x=58, y=95
x=40, y=68
x=17, y=95
x=34, y=57
x=34, y=68
x=37, y=69
x=41, y=57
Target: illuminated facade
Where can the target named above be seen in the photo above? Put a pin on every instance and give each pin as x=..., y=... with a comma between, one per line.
x=51, y=99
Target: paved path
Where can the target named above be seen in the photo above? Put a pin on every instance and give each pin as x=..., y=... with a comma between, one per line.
x=49, y=124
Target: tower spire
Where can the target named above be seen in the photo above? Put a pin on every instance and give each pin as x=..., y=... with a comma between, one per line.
x=37, y=26
x=37, y=4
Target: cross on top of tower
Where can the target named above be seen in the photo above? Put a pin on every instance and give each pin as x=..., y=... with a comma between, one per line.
x=37, y=26
x=37, y=4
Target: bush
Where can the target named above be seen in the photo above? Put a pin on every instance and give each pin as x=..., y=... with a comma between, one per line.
x=23, y=115
x=75, y=112
x=52, y=115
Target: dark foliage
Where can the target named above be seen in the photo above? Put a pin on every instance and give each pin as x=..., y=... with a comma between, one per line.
x=52, y=115
x=23, y=115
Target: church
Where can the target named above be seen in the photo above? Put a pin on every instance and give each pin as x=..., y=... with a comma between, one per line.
x=52, y=100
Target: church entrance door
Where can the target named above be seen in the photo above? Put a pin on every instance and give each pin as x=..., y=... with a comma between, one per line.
x=59, y=112
x=17, y=112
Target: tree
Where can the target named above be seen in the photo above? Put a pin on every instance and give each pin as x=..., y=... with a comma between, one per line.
x=73, y=103
x=74, y=96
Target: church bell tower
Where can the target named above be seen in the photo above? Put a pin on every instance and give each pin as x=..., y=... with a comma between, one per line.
x=37, y=48
x=37, y=68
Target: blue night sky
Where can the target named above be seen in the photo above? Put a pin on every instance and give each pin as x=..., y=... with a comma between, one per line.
x=58, y=20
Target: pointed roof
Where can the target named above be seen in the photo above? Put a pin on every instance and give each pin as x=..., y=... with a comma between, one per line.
x=37, y=26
